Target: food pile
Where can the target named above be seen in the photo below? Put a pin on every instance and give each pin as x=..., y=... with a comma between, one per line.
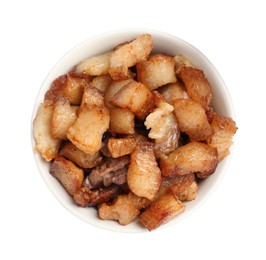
x=131, y=132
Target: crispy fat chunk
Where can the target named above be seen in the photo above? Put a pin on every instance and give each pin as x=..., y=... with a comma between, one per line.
x=122, y=210
x=139, y=202
x=95, y=66
x=121, y=146
x=69, y=86
x=136, y=97
x=46, y=145
x=157, y=71
x=184, y=187
x=163, y=126
x=173, y=91
x=87, y=131
x=144, y=175
x=128, y=54
x=63, y=117
x=74, y=86
x=121, y=121
x=125, y=208
x=112, y=89
x=194, y=157
x=169, y=141
x=77, y=156
x=156, y=120
x=197, y=85
x=180, y=62
x=192, y=119
x=92, y=97
x=224, y=129
x=92, y=122
x=70, y=176
x=190, y=193
x=161, y=211
x=101, y=82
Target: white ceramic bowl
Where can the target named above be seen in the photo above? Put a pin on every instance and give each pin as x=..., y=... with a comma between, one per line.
x=164, y=43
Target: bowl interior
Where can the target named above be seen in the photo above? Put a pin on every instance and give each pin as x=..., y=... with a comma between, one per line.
x=163, y=43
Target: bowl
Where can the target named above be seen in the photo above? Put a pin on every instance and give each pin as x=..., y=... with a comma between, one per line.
x=164, y=43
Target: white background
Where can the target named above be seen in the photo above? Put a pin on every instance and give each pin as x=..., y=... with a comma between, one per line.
x=35, y=34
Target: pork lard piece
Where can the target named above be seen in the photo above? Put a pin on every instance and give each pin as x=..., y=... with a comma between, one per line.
x=64, y=115
x=184, y=187
x=121, y=146
x=125, y=208
x=161, y=211
x=157, y=71
x=197, y=85
x=144, y=175
x=95, y=66
x=224, y=129
x=163, y=126
x=128, y=54
x=46, y=145
x=192, y=119
x=135, y=97
x=173, y=91
x=180, y=62
x=92, y=122
x=69, y=86
x=70, y=176
x=77, y=156
x=121, y=121
x=194, y=157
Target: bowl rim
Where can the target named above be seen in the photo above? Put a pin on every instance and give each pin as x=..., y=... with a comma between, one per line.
x=133, y=32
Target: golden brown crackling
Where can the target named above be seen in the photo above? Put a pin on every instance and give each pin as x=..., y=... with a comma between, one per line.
x=161, y=211
x=224, y=129
x=70, y=176
x=144, y=175
x=197, y=86
x=194, y=157
x=192, y=119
